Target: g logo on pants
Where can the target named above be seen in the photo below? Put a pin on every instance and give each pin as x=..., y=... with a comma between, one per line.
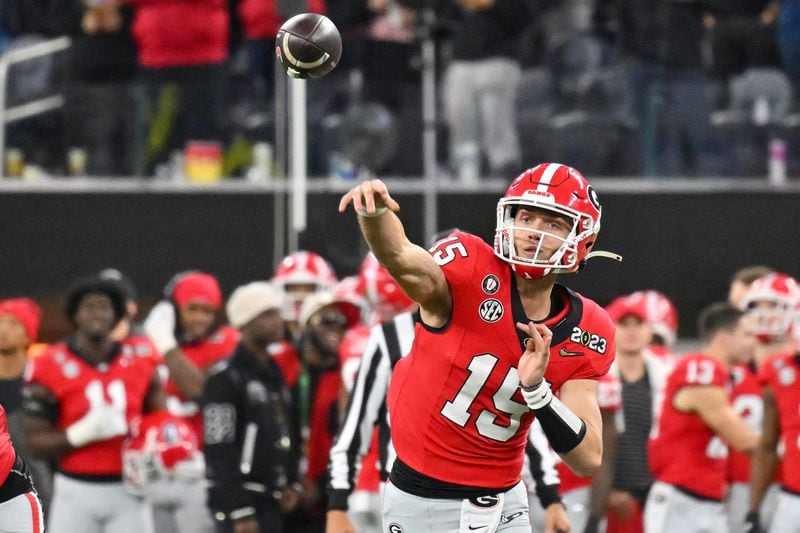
x=395, y=528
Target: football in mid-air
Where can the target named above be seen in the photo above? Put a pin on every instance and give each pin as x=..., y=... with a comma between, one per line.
x=308, y=46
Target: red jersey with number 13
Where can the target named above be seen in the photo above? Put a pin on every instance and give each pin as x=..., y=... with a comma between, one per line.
x=454, y=402
x=686, y=452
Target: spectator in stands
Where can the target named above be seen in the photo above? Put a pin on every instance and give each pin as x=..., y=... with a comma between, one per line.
x=19, y=328
x=183, y=47
x=662, y=42
x=480, y=86
x=744, y=37
x=101, y=107
x=79, y=399
x=260, y=20
x=185, y=328
x=789, y=39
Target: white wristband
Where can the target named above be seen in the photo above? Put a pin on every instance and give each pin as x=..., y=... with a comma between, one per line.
x=378, y=212
x=539, y=397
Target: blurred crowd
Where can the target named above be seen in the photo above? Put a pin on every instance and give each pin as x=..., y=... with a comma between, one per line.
x=617, y=87
x=239, y=414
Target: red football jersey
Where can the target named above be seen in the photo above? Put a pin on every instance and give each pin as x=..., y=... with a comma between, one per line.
x=454, y=401
x=7, y=453
x=202, y=355
x=686, y=452
x=77, y=385
x=782, y=374
x=748, y=403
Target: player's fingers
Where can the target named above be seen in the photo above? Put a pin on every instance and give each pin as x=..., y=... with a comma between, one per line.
x=368, y=192
x=545, y=332
x=537, y=337
x=346, y=199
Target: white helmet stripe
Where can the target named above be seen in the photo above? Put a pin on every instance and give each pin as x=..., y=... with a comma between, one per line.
x=547, y=175
x=296, y=62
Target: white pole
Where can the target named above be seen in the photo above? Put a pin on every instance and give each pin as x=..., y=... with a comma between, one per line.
x=431, y=220
x=297, y=165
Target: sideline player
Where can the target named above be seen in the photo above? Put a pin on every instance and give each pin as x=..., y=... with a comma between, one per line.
x=79, y=399
x=20, y=508
x=461, y=401
x=697, y=424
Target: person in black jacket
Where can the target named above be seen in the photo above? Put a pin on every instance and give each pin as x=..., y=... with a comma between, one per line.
x=248, y=440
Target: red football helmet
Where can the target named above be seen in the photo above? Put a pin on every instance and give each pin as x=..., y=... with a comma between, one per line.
x=559, y=189
x=661, y=313
x=161, y=449
x=300, y=274
x=773, y=300
x=382, y=292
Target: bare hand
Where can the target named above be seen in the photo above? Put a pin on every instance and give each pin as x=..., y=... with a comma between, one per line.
x=556, y=519
x=621, y=503
x=534, y=361
x=290, y=498
x=367, y=197
x=339, y=522
x=246, y=525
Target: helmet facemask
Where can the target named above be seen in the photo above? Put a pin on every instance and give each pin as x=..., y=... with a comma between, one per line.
x=565, y=255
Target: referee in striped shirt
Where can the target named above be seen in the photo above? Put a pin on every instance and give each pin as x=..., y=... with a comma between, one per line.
x=387, y=344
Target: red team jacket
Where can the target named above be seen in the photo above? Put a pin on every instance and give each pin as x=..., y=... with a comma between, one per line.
x=454, y=401
x=782, y=374
x=76, y=384
x=7, y=453
x=686, y=452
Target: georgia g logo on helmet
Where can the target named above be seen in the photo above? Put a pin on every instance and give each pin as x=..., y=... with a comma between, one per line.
x=561, y=190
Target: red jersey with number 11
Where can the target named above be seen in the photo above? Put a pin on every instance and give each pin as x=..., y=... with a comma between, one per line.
x=456, y=410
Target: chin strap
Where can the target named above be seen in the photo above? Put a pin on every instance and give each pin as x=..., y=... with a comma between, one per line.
x=607, y=255
x=582, y=264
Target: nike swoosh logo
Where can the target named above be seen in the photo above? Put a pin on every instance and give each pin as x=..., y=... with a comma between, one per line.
x=509, y=518
x=476, y=527
x=563, y=352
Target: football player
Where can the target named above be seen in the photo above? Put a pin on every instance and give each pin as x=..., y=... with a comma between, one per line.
x=300, y=275
x=780, y=376
x=20, y=508
x=620, y=489
x=79, y=398
x=689, y=452
x=496, y=338
x=186, y=329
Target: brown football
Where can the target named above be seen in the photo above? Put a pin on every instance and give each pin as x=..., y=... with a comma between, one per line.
x=308, y=46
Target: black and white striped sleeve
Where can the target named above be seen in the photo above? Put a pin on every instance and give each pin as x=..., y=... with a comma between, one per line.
x=542, y=461
x=363, y=409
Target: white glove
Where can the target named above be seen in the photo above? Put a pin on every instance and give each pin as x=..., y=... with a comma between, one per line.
x=102, y=422
x=160, y=327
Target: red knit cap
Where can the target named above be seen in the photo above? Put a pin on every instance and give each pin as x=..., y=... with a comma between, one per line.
x=26, y=311
x=197, y=288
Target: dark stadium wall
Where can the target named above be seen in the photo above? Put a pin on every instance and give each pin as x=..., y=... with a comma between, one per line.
x=686, y=245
